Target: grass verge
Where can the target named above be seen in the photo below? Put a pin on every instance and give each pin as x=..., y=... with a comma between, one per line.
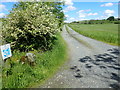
x=107, y=33
x=47, y=63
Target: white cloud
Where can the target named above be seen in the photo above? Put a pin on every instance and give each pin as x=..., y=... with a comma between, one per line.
x=75, y=19
x=69, y=8
x=80, y=11
x=2, y=7
x=71, y=19
x=116, y=16
x=2, y=15
x=84, y=13
x=92, y=14
x=109, y=12
x=83, y=19
x=101, y=17
x=107, y=5
x=68, y=2
x=66, y=16
x=66, y=21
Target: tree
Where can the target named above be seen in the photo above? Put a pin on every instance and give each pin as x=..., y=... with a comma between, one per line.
x=111, y=18
x=57, y=9
x=33, y=25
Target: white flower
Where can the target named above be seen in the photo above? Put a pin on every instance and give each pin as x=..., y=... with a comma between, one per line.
x=36, y=4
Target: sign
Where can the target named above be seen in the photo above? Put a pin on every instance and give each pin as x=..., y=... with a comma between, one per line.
x=5, y=51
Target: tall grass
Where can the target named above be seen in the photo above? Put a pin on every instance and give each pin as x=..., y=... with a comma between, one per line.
x=104, y=32
x=21, y=76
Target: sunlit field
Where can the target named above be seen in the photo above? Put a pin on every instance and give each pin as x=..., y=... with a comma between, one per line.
x=103, y=32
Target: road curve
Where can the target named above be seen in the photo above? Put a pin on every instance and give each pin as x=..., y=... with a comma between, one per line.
x=91, y=64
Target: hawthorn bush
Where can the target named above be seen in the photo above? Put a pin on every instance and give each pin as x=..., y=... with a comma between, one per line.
x=32, y=25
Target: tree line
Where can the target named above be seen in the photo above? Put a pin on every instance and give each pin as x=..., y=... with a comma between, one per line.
x=110, y=19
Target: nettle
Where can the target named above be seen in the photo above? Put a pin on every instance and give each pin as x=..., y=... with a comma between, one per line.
x=32, y=27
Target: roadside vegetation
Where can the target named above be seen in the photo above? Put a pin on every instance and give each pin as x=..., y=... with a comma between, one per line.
x=104, y=32
x=33, y=27
x=17, y=75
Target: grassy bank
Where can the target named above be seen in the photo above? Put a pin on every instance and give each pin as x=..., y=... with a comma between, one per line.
x=47, y=63
x=103, y=32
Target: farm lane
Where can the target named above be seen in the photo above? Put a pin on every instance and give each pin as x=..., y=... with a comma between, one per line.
x=92, y=64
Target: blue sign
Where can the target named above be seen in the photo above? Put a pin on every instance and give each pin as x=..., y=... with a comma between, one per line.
x=6, y=51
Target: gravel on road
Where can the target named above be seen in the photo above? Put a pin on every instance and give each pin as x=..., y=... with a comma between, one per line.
x=96, y=66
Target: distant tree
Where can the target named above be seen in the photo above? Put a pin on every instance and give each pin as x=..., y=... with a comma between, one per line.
x=75, y=22
x=111, y=18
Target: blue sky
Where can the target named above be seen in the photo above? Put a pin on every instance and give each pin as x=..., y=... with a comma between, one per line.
x=76, y=11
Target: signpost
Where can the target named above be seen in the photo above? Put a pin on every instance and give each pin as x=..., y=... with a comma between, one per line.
x=5, y=51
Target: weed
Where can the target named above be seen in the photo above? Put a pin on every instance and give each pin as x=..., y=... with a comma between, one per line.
x=21, y=76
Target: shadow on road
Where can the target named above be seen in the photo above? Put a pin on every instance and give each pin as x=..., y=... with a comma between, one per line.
x=107, y=64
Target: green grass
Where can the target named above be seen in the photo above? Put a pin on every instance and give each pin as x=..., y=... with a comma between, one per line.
x=103, y=32
x=47, y=63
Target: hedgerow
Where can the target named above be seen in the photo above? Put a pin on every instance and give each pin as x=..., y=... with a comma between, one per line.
x=32, y=25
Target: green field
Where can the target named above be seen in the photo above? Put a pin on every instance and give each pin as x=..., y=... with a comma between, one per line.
x=103, y=32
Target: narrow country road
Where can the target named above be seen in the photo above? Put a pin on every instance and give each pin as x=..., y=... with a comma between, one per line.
x=91, y=64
